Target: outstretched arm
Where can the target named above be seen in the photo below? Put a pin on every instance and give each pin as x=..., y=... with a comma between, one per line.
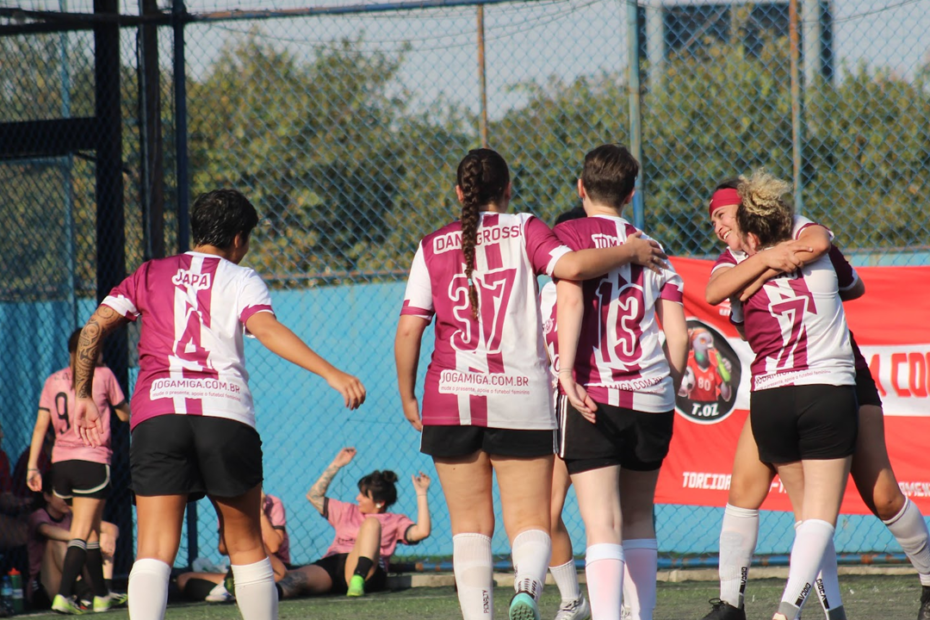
x=286, y=344
x=421, y=529
x=317, y=493
x=86, y=417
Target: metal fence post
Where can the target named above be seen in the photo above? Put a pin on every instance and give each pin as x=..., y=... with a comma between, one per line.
x=635, y=96
x=482, y=79
x=793, y=36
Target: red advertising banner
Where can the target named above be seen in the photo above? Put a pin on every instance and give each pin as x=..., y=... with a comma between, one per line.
x=892, y=326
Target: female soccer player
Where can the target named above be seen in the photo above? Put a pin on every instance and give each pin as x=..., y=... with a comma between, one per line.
x=751, y=479
x=80, y=474
x=616, y=420
x=193, y=422
x=487, y=404
x=366, y=534
x=803, y=407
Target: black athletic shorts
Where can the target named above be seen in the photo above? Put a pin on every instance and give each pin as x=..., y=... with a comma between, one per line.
x=335, y=566
x=81, y=479
x=866, y=390
x=634, y=440
x=798, y=422
x=456, y=441
x=194, y=455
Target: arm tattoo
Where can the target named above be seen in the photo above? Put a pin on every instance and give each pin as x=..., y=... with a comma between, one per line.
x=104, y=321
x=317, y=492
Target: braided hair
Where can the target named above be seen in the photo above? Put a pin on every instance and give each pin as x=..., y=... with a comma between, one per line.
x=483, y=177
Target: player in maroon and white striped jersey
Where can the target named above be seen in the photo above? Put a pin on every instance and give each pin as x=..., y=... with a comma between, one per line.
x=193, y=420
x=487, y=402
x=618, y=410
x=751, y=479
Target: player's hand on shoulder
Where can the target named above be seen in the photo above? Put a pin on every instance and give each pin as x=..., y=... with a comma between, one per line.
x=351, y=388
x=646, y=252
x=412, y=413
x=344, y=456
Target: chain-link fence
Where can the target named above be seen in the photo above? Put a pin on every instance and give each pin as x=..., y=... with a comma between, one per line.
x=344, y=125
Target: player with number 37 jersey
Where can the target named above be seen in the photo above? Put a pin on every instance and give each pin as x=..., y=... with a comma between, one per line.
x=477, y=375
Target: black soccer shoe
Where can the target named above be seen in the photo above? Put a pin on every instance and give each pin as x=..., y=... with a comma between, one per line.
x=724, y=611
x=924, y=613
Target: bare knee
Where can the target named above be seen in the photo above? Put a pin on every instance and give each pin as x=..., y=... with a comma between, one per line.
x=371, y=523
x=887, y=503
x=749, y=489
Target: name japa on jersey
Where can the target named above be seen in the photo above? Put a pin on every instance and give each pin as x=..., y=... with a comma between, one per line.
x=490, y=370
x=619, y=359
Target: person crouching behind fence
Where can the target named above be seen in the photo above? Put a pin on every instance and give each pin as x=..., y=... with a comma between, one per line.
x=193, y=419
x=366, y=534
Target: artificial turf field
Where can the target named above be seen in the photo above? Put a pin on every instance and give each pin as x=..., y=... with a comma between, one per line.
x=873, y=597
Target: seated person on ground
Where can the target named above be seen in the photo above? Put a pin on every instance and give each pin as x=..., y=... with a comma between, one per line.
x=12, y=520
x=366, y=534
x=48, y=537
x=210, y=587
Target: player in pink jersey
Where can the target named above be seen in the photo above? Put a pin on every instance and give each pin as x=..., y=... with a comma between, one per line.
x=193, y=421
x=487, y=403
x=80, y=474
x=366, y=533
x=751, y=479
x=617, y=413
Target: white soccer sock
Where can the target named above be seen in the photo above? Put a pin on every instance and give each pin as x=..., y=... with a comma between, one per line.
x=148, y=589
x=531, y=552
x=641, y=559
x=256, y=595
x=473, y=566
x=738, y=535
x=566, y=578
x=910, y=530
x=813, y=536
x=828, y=585
x=604, y=571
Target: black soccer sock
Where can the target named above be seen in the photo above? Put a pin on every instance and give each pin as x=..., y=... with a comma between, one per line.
x=72, y=566
x=95, y=570
x=364, y=565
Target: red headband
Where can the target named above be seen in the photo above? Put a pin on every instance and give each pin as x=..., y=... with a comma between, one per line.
x=723, y=198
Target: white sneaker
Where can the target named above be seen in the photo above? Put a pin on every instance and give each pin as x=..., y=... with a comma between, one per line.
x=219, y=594
x=574, y=610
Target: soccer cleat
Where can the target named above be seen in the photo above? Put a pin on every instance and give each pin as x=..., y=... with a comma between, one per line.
x=229, y=582
x=523, y=607
x=577, y=609
x=356, y=586
x=67, y=606
x=724, y=611
x=924, y=613
x=219, y=594
x=111, y=601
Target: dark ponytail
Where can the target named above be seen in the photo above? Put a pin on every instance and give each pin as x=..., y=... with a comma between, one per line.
x=483, y=177
x=381, y=485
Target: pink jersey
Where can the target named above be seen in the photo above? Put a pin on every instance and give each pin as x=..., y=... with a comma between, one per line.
x=347, y=519
x=619, y=358
x=191, y=361
x=796, y=327
x=274, y=510
x=35, y=543
x=58, y=399
x=493, y=373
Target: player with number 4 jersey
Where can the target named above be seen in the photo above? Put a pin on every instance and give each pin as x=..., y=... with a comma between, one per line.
x=193, y=421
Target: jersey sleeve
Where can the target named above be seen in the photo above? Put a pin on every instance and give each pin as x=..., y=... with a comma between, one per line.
x=845, y=273
x=404, y=523
x=336, y=511
x=123, y=297
x=542, y=246
x=253, y=297
x=276, y=513
x=47, y=398
x=115, y=394
x=671, y=286
x=36, y=519
x=418, y=298
x=802, y=223
x=736, y=312
x=725, y=260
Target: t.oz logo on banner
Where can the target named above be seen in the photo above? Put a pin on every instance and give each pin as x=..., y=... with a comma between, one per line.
x=708, y=389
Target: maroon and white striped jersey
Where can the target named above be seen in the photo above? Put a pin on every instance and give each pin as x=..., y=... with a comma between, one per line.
x=191, y=360
x=619, y=359
x=796, y=327
x=493, y=372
